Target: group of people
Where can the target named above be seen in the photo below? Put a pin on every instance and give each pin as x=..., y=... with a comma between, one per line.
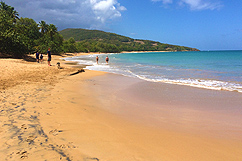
x=39, y=57
x=107, y=59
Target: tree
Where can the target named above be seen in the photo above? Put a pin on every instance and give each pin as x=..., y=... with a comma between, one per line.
x=80, y=47
x=29, y=32
x=50, y=38
x=43, y=27
x=9, y=10
x=10, y=42
x=23, y=36
x=51, y=30
x=69, y=46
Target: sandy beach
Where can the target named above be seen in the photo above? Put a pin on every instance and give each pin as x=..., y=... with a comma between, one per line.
x=52, y=114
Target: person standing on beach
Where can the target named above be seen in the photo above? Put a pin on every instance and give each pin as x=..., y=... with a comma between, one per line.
x=49, y=56
x=107, y=59
x=41, y=57
x=37, y=57
x=97, y=59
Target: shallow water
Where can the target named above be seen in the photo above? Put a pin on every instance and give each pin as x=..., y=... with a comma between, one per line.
x=219, y=70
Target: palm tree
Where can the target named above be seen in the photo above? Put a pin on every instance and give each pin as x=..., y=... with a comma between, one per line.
x=3, y=6
x=52, y=29
x=9, y=10
x=43, y=27
x=14, y=15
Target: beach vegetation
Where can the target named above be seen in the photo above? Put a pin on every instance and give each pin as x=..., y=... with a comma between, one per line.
x=22, y=36
x=10, y=39
x=43, y=27
x=100, y=41
x=9, y=11
x=28, y=32
x=70, y=46
x=49, y=38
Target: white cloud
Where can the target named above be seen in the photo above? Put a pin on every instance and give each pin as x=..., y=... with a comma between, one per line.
x=195, y=4
x=164, y=1
x=103, y=5
x=121, y=8
x=69, y=13
x=106, y=9
x=167, y=1
x=201, y=4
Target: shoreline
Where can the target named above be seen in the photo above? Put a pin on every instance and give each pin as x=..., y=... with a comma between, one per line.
x=145, y=51
x=210, y=84
x=101, y=116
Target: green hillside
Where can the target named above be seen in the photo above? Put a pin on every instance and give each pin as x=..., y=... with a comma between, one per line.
x=83, y=34
x=100, y=41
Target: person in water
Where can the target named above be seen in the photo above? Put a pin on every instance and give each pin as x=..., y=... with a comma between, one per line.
x=97, y=59
x=107, y=59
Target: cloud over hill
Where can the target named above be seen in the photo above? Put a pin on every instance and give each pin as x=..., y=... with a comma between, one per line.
x=71, y=13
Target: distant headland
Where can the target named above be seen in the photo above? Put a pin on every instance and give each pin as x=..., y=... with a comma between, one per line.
x=100, y=41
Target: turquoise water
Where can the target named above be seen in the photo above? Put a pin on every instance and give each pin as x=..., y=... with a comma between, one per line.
x=219, y=70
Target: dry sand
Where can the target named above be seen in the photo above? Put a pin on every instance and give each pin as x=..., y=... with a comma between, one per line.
x=46, y=114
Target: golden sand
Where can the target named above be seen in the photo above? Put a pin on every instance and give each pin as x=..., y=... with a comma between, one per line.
x=46, y=114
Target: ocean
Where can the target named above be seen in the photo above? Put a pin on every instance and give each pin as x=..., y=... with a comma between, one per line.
x=217, y=70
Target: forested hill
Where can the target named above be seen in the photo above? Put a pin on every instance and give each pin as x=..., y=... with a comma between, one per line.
x=22, y=36
x=117, y=43
x=83, y=34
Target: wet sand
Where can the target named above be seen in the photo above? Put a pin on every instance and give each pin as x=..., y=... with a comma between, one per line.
x=217, y=113
x=179, y=122
x=118, y=118
x=50, y=115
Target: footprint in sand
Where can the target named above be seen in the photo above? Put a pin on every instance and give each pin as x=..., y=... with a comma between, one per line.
x=23, y=127
x=30, y=139
x=23, y=154
x=63, y=146
x=54, y=132
x=69, y=146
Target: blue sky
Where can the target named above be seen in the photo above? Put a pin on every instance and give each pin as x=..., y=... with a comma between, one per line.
x=202, y=24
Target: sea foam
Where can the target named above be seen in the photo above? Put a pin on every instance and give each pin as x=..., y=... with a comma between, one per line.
x=209, y=70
